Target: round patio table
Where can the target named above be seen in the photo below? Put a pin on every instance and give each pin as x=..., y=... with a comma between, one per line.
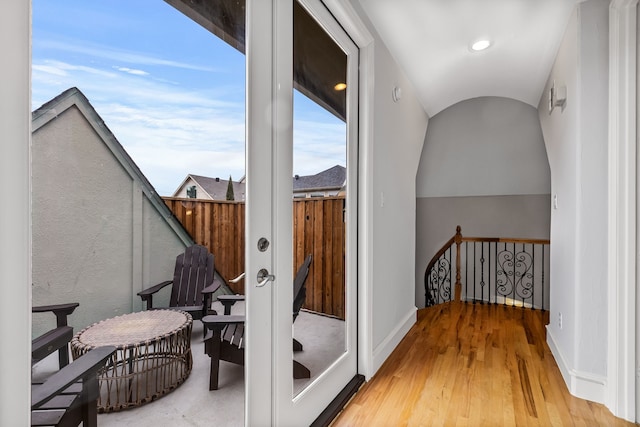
x=152, y=358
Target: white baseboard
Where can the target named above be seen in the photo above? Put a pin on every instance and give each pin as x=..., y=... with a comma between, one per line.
x=584, y=385
x=386, y=347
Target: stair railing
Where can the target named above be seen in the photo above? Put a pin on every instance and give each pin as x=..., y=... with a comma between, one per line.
x=491, y=270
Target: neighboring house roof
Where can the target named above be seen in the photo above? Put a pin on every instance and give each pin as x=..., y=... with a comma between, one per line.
x=216, y=188
x=74, y=97
x=331, y=179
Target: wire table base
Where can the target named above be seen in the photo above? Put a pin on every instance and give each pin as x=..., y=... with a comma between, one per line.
x=153, y=356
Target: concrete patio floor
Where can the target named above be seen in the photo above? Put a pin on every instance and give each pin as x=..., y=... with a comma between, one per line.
x=192, y=404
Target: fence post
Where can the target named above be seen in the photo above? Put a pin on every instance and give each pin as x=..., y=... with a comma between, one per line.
x=458, y=285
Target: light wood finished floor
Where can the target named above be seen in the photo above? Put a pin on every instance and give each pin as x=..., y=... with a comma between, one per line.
x=472, y=365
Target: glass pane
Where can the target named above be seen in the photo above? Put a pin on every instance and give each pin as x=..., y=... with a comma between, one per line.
x=138, y=152
x=319, y=192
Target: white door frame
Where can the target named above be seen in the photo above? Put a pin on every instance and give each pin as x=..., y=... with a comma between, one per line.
x=318, y=394
x=622, y=217
x=15, y=219
x=347, y=16
x=268, y=70
x=269, y=130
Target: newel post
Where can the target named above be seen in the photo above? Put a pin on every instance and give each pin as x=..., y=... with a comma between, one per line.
x=458, y=285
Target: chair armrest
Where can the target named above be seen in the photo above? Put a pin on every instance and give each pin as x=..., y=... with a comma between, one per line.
x=147, y=294
x=218, y=322
x=152, y=290
x=211, y=288
x=60, y=310
x=83, y=367
x=229, y=300
x=67, y=308
x=235, y=298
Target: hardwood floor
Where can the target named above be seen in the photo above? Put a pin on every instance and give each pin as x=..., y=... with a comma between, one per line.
x=472, y=365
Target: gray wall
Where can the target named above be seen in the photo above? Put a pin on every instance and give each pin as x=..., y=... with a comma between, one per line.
x=576, y=140
x=484, y=146
x=97, y=239
x=483, y=167
x=517, y=216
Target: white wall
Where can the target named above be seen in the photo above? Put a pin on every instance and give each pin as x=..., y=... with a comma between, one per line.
x=396, y=137
x=15, y=215
x=637, y=361
x=576, y=140
x=97, y=239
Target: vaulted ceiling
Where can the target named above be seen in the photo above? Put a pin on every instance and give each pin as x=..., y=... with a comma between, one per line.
x=431, y=40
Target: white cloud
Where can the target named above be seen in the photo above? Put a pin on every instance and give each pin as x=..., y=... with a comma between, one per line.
x=171, y=131
x=119, y=55
x=132, y=71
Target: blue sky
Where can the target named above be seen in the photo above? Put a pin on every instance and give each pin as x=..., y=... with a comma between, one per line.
x=171, y=92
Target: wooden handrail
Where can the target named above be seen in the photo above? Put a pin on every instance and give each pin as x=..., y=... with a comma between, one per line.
x=442, y=250
x=506, y=240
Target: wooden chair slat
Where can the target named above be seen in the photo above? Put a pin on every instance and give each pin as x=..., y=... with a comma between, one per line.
x=194, y=271
x=46, y=418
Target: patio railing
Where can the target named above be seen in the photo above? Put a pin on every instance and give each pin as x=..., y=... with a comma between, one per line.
x=490, y=270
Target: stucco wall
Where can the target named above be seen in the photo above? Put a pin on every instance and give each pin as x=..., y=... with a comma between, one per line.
x=483, y=167
x=576, y=141
x=96, y=240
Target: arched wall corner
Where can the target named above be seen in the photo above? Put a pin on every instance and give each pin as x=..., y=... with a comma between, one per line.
x=484, y=167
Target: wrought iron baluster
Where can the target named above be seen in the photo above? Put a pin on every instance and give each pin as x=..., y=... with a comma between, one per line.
x=481, y=272
x=513, y=299
x=475, y=248
x=466, y=272
x=543, y=261
x=522, y=280
x=533, y=276
x=495, y=281
x=450, y=293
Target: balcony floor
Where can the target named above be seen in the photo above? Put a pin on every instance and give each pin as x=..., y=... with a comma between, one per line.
x=192, y=404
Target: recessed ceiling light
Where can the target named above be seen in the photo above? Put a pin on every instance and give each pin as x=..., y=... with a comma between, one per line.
x=340, y=86
x=480, y=45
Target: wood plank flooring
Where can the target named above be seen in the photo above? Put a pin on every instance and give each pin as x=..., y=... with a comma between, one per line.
x=472, y=365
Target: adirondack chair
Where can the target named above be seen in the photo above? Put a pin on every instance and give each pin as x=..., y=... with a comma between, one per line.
x=194, y=280
x=56, y=339
x=64, y=401
x=224, y=334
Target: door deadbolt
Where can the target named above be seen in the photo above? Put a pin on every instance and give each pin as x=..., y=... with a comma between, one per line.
x=263, y=244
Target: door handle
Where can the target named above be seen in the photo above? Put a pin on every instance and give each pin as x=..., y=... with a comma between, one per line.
x=264, y=277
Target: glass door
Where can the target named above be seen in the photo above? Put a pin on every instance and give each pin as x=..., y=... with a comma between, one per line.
x=302, y=200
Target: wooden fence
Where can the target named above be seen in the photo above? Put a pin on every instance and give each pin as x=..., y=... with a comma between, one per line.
x=319, y=229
